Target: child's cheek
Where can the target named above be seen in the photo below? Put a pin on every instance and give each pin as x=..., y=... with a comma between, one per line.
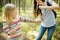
x=14, y=15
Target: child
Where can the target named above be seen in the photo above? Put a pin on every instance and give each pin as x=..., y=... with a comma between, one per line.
x=11, y=23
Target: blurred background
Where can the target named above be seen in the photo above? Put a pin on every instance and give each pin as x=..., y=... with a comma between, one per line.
x=25, y=9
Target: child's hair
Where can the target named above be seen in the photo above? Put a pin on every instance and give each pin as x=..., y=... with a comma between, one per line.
x=7, y=12
x=37, y=10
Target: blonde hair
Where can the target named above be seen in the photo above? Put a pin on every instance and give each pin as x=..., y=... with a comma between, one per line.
x=7, y=12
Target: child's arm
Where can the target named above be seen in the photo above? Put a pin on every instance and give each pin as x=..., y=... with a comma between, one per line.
x=6, y=27
x=15, y=29
x=16, y=35
x=27, y=20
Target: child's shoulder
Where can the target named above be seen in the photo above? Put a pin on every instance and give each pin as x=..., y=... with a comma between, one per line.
x=4, y=21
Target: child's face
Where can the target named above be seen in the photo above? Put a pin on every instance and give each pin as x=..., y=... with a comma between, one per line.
x=14, y=13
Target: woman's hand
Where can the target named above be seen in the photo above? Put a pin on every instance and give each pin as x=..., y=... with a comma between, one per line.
x=37, y=21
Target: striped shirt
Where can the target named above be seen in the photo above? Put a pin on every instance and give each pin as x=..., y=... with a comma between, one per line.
x=14, y=25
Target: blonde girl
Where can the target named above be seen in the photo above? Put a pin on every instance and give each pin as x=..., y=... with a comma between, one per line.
x=11, y=24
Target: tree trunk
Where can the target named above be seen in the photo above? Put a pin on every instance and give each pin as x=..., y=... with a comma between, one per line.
x=1, y=3
x=9, y=1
